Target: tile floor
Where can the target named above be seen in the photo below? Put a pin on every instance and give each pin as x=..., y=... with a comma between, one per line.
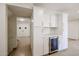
x=73, y=49
x=24, y=49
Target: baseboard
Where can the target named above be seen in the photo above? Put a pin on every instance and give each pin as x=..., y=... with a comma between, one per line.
x=46, y=54
x=72, y=39
x=50, y=53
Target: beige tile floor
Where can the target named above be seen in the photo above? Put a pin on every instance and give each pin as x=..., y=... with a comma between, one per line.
x=73, y=49
x=24, y=49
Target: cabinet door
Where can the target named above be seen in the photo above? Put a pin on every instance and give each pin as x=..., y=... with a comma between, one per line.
x=46, y=20
x=37, y=16
x=46, y=45
x=53, y=20
x=63, y=39
x=65, y=31
x=37, y=41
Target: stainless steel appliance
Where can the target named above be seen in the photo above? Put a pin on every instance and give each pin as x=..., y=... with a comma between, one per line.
x=53, y=44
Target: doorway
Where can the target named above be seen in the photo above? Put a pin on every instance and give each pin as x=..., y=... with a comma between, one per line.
x=19, y=26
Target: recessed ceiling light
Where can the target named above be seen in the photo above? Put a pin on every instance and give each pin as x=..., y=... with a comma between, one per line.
x=22, y=19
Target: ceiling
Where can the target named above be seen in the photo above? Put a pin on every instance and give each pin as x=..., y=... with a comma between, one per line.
x=70, y=8
x=20, y=11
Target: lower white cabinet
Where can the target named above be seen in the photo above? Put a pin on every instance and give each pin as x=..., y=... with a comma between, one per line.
x=46, y=45
x=40, y=42
x=37, y=41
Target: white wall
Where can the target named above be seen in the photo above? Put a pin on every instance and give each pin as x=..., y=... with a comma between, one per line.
x=73, y=29
x=12, y=42
x=3, y=30
x=23, y=32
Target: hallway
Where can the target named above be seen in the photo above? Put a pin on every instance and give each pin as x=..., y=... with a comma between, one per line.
x=23, y=47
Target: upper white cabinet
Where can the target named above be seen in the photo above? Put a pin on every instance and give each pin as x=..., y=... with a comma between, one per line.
x=53, y=20
x=46, y=20
x=50, y=19
x=42, y=17
x=38, y=15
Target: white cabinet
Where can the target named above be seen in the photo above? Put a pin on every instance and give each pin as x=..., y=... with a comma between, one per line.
x=63, y=31
x=38, y=15
x=37, y=41
x=46, y=45
x=45, y=31
x=53, y=20
x=50, y=20
x=46, y=20
x=40, y=42
x=45, y=36
x=40, y=38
